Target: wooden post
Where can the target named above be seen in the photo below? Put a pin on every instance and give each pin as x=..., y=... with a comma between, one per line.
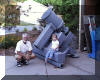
x=81, y=30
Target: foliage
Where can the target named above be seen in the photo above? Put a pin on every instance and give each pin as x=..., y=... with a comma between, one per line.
x=71, y=16
x=17, y=30
x=25, y=30
x=12, y=15
x=51, y=2
x=34, y=28
x=20, y=0
x=1, y=38
x=7, y=2
x=22, y=23
x=4, y=3
x=9, y=41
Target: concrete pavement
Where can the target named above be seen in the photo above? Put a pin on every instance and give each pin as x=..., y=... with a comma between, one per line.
x=73, y=66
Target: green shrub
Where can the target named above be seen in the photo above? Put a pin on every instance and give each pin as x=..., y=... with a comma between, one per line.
x=17, y=30
x=34, y=28
x=9, y=41
x=1, y=38
x=25, y=30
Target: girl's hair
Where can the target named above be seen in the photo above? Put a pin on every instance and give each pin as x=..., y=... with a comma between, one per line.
x=54, y=35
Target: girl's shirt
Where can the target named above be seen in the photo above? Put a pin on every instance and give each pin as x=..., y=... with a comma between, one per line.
x=55, y=44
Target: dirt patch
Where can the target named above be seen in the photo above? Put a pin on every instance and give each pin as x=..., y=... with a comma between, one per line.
x=2, y=52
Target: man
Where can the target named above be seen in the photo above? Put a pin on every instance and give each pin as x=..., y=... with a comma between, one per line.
x=23, y=51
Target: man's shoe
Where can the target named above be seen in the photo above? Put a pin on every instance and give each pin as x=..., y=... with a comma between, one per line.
x=23, y=61
x=26, y=62
x=19, y=64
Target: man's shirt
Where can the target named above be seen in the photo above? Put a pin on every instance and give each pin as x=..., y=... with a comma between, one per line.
x=22, y=47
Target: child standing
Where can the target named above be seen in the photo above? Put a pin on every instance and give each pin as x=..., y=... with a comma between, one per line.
x=54, y=47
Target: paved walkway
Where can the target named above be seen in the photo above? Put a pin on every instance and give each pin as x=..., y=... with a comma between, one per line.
x=78, y=66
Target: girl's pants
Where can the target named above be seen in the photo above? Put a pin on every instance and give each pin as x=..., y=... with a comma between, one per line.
x=50, y=54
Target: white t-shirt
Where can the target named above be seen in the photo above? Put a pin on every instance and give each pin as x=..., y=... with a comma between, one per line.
x=23, y=47
x=55, y=44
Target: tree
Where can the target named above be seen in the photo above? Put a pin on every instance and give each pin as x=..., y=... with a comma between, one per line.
x=4, y=3
x=12, y=15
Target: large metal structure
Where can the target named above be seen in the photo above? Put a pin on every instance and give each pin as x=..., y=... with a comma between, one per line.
x=43, y=42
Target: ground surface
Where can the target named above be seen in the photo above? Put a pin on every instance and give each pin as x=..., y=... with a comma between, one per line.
x=79, y=66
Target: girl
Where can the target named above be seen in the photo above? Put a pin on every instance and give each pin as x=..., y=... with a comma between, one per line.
x=54, y=47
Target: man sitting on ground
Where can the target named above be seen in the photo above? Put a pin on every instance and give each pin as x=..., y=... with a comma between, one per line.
x=23, y=51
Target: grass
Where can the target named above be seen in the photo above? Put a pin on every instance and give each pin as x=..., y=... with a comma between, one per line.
x=22, y=23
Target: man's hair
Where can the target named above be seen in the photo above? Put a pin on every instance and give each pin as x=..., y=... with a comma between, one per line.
x=24, y=35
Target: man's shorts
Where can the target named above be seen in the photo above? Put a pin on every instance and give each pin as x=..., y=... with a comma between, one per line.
x=32, y=55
